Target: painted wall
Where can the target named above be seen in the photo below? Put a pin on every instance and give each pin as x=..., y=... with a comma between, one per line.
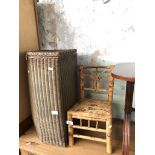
x=28, y=40
x=101, y=31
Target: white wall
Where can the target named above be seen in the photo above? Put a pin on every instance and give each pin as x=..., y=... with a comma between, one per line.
x=102, y=33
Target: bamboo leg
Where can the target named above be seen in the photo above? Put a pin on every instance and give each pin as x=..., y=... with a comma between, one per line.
x=109, y=135
x=96, y=124
x=88, y=123
x=80, y=122
x=70, y=130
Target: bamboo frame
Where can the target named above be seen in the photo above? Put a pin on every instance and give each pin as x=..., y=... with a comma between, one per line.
x=96, y=129
x=99, y=90
x=109, y=135
x=70, y=130
x=106, y=67
x=89, y=118
x=88, y=123
x=108, y=121
x=96, y=84
x=111, y=85
x=89, y=128
x=96, y=124
x=80, y=122
x=89, y=138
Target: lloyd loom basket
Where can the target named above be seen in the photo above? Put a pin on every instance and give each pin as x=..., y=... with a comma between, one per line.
x=52, y=87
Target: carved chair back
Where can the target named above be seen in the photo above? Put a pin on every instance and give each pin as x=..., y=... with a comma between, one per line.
x=97, y=79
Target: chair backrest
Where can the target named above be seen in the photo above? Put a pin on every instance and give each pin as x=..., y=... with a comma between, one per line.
x=96, y=76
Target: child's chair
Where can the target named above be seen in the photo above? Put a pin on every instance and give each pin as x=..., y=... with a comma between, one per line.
x=93, y=110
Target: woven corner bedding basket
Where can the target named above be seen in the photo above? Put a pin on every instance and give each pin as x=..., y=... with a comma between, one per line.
x=52, y=88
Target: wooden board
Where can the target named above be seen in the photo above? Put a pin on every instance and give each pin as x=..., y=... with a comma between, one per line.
x=81, y=146
x=28, y=40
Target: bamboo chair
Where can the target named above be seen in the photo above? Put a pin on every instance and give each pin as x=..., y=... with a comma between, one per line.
x=95, y=110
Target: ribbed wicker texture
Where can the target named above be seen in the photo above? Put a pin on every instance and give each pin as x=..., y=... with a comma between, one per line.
x=52, y=87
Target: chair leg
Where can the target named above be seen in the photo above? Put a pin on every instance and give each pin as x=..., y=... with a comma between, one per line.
x=70, y=130
x=109, y=135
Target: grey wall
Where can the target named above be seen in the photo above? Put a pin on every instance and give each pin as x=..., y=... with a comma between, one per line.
x=101, y=32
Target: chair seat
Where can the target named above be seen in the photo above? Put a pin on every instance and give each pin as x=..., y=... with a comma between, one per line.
x=93, y=109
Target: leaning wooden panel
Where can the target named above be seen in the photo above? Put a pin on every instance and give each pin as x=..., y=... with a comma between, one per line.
x=28, y=40
x=52, y=87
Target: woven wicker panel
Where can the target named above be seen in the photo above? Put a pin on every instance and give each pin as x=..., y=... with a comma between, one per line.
x=52, y=87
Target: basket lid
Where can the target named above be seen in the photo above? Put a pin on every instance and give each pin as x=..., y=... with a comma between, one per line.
x=51, y=53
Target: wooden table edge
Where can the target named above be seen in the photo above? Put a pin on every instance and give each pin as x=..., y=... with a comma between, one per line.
x=130, y=79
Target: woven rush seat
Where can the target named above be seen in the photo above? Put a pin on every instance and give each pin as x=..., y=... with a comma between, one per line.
x=92, y=108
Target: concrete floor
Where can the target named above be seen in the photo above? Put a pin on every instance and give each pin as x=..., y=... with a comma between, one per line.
x=81, y=147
